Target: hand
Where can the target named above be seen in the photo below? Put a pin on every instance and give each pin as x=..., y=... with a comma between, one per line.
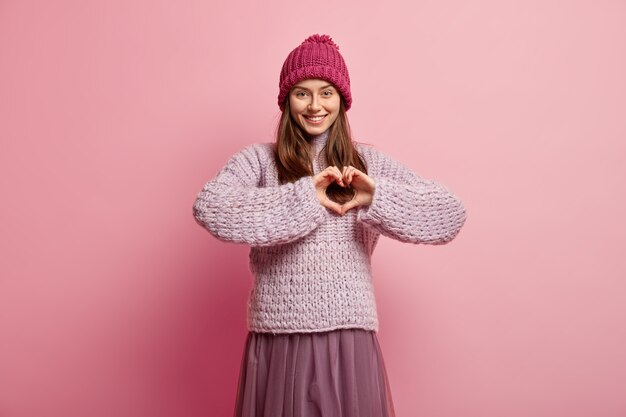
x=363, y=185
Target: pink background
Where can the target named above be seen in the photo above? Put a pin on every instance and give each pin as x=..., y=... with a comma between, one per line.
x=114, y=302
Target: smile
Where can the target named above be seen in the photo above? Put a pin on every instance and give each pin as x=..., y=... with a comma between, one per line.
x=315, y=120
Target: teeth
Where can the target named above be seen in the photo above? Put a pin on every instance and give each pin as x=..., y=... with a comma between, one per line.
x=315, y=119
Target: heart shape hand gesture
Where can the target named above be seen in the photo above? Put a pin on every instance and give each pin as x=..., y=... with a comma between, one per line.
x=363, y=185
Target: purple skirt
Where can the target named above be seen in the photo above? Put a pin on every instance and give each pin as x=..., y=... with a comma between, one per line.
x=337, y=373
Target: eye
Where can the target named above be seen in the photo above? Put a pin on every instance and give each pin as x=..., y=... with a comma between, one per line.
x=299, y=92
x=330, y=93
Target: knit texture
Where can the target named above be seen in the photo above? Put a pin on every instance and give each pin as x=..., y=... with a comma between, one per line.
x=316, y=57
x=312, y=266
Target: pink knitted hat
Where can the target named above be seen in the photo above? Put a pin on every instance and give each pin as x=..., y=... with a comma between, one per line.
x=317, y=57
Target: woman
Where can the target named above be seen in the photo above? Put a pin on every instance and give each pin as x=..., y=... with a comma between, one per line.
x=312, y=207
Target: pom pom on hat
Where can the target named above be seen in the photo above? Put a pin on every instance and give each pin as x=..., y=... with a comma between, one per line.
x=320, y=39
x=316, y=57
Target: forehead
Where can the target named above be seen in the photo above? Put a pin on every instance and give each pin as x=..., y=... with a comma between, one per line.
x=313, y=83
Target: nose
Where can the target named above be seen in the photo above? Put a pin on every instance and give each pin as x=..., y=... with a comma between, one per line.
x=314, y=105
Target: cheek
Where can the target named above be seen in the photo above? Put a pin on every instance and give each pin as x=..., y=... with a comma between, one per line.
x=296, y=107
x=293, y=109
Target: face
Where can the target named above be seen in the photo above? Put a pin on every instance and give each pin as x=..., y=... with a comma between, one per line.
x=314, y=105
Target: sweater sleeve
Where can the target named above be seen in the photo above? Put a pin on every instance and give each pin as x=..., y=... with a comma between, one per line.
x=407, y=207
x=233, y=208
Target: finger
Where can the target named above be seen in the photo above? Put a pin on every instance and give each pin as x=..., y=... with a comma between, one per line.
x=353, y=173
x=364, y=180
x=333, y=206
x=331, y=175
x=345, y=175
x=339, y=176
x=321, y=180
x=335, y=174
x=356, y=174
x=349, y=175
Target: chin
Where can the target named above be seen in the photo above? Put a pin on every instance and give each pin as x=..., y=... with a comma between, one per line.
x=314, y=130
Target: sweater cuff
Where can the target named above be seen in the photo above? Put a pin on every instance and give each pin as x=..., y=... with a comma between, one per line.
x=309, y=198
x=374, y=212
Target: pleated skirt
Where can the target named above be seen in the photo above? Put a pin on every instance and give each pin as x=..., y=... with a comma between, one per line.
x=338, y=373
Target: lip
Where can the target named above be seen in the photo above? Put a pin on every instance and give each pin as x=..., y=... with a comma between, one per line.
x=306, y=117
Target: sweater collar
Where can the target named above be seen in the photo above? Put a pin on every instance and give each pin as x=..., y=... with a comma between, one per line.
x=318, y=141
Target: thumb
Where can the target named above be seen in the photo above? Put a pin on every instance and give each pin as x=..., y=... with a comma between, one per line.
x=333, y=205
x=347, y=206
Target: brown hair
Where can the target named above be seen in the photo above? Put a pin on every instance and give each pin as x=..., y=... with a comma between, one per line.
x=293, y=154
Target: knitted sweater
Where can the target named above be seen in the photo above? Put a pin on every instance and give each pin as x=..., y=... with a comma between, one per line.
x=311, y=265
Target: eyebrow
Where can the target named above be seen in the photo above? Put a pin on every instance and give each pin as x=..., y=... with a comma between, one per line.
x=321, y=88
